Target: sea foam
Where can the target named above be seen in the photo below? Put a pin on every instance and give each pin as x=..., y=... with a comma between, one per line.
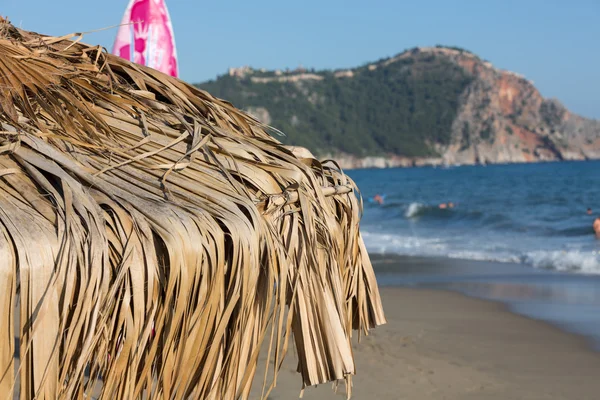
x=565, y=260
x=573, y=260
x=413, y=210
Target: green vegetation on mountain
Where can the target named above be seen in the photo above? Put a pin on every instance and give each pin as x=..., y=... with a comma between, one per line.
x=431, y=105
x=404, y=107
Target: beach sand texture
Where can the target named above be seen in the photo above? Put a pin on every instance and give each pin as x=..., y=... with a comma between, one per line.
x=443, y=345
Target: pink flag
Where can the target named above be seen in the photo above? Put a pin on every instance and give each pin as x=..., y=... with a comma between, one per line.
x=147, y=25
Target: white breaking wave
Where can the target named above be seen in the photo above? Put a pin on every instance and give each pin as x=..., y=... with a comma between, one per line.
x=407, y=245
x=413, y=209
x=565, y=260
x=483, y=256
x=573, y=260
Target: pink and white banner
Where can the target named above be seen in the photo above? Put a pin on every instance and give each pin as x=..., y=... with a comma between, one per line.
x=146, y=25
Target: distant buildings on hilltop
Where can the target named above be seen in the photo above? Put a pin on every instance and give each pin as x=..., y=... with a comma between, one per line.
x=246, y=70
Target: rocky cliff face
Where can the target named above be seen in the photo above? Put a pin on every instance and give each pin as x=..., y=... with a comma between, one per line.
x=395, y=112
x=503, y=118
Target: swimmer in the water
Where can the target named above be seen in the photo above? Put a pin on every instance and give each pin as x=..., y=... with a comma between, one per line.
x=596, y=227
x=443, y=206
x=589, y=211
x=378, y=199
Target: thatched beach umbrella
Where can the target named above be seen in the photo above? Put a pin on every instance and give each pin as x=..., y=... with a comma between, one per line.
x=153, y=236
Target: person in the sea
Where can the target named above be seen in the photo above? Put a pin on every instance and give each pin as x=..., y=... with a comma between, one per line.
x=450, y=205
x=443, y=206
x=597, y=226
x=378, y=199
x=589, y=211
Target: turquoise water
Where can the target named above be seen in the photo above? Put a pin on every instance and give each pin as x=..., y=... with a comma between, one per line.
x=531, y=214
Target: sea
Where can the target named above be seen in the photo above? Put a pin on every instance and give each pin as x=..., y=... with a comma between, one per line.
x=518, y=233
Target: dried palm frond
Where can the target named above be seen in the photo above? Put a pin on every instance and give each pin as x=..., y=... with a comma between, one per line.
x=153, y=236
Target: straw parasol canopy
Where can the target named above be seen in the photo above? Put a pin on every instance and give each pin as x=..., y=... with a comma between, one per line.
x=152, y=237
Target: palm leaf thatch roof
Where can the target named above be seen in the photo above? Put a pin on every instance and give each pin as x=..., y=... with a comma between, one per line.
x=153, y=236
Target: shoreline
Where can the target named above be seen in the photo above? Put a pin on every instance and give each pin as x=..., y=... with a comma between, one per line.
x=440, y=344
x=351, y=163
x=567, y=301
x=588, y=342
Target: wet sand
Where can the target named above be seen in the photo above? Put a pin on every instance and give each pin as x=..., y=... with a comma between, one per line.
x=444, y=345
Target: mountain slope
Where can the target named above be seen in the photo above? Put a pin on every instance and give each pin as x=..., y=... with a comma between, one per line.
x=425, y=105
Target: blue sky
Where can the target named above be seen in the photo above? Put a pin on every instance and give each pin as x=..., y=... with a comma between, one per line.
x=554, y=43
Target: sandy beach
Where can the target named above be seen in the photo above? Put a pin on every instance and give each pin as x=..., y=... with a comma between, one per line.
x=440, y=344
x=444, y=345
